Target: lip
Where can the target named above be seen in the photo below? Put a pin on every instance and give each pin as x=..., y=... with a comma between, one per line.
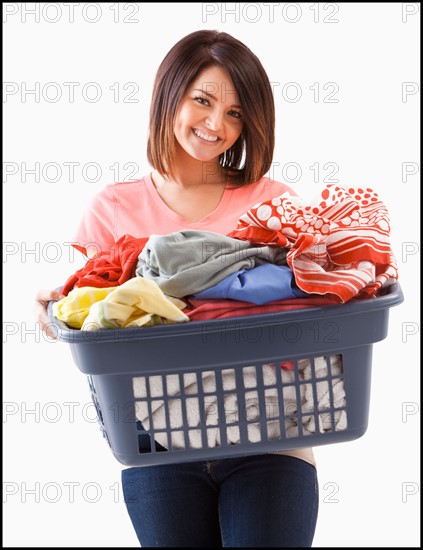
x=204, y=140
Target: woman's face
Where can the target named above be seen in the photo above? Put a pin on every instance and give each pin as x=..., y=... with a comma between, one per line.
x=209, y=119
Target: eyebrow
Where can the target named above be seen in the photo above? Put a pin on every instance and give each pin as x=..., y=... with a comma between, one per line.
x=213, y=97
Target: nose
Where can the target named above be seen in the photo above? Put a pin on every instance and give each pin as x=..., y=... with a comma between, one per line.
x=214, y=120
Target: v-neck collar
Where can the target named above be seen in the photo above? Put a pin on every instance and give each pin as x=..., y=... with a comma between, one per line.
x=215, y=214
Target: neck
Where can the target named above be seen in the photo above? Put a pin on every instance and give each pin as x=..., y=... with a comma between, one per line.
x=190, y=172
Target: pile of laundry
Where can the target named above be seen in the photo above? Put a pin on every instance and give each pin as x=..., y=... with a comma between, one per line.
x=282, y=255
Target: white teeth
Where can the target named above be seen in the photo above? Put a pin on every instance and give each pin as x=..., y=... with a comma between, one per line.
x=205, y=136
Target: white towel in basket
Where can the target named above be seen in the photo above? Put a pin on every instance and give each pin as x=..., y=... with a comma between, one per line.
x=323, y=396
x=173, y=418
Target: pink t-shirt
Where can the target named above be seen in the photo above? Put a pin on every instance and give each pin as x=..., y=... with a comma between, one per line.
x=136, y=208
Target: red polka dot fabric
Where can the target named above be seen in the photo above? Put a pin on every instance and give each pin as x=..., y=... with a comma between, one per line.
x=338, y=246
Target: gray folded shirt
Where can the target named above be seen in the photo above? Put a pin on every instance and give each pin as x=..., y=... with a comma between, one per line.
x=187, y=262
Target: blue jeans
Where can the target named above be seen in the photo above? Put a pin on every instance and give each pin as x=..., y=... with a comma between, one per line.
x=255, y=501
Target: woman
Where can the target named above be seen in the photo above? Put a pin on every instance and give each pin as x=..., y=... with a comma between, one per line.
x=211, y=141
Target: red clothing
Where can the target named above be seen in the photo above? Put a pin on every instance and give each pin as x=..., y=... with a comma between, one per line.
x=203, y=310
x=108, y=268
x=338, y=247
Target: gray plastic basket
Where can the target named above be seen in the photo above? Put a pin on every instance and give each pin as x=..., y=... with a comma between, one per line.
x=191, y=373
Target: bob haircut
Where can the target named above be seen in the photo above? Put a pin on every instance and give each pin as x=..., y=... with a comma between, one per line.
x=250, y=157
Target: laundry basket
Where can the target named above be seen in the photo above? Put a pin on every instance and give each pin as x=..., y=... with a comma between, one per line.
x=231, y=387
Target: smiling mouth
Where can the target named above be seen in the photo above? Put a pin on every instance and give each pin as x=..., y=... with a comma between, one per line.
x=205, y=137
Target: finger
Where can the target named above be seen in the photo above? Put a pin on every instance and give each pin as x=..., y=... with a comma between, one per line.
x=48, y=328
x=45, y=295
x=41, y=315
x=43, y=320
x=49, y=332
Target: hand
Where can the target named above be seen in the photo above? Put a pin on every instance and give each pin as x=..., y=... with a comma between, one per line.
x=42, y=298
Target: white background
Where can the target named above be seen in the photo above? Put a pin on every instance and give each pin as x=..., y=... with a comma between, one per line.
x=369, y=489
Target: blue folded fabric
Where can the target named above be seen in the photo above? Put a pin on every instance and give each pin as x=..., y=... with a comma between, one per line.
x=259, y=285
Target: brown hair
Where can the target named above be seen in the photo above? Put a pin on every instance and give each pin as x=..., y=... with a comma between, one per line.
x=251, y=155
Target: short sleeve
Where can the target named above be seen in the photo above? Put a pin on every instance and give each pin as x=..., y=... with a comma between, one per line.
x=97, y=226
x=276, y=188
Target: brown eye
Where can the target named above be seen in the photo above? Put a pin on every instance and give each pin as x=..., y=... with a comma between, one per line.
x=200, y=100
